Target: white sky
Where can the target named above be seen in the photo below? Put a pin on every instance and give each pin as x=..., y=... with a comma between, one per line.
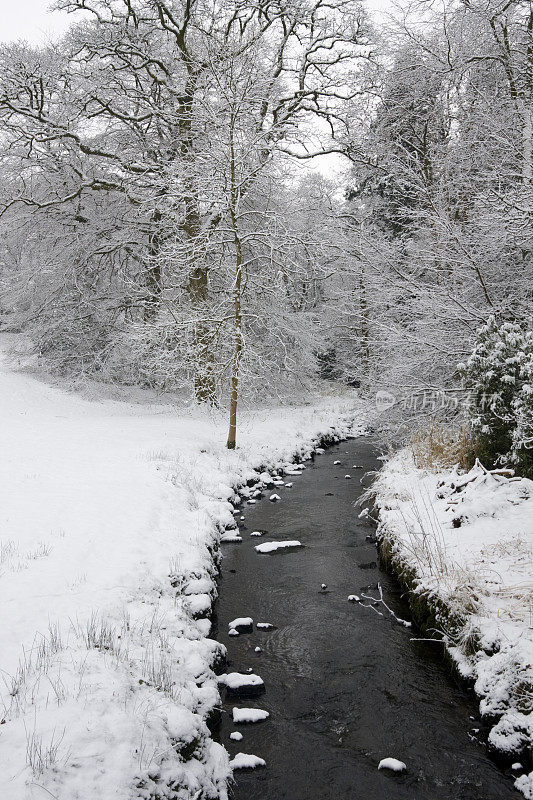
x=31, y=20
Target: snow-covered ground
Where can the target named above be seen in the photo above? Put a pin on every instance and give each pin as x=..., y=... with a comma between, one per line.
x=468, y=540
x=110, y=515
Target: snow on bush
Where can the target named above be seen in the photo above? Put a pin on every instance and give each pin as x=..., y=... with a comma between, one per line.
x=522, y=437
x=499, y=377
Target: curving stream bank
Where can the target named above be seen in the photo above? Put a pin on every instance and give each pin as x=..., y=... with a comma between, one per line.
x=345, y=686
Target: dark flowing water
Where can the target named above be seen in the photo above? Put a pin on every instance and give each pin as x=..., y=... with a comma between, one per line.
x=344, y=686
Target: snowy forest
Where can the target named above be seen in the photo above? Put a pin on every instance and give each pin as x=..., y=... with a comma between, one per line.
x=160, y=227
x=266, y=400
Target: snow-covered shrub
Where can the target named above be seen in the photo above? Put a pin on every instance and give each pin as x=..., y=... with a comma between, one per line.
x=522, y=438
x=500, y=393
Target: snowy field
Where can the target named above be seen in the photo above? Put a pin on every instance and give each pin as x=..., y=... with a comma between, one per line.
x=468, y=538
x=110, y=516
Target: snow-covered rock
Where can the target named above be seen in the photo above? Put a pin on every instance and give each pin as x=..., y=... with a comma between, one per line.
x=242, y=715
x=271, y=547
x=199, y=604
x=230, y=536
x=237, y=682
x=392, y=764
x=241, y=622
x=246, y=761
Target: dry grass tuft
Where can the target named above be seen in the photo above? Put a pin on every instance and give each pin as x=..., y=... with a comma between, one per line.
x=439, y=447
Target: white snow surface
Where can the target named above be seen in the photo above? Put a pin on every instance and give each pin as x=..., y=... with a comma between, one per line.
x=110, y=514
x=241, y=715
x=270, y=547
x=469, y=539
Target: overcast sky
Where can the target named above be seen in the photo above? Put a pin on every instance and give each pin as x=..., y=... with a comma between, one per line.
x=31, y=20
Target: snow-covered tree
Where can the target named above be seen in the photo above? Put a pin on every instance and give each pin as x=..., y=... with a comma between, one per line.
x=439, y=204
x=129, y=114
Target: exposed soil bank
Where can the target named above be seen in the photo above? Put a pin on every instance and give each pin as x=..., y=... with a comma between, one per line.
x=345, y=687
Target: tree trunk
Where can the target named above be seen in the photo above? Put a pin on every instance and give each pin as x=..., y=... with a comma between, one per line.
x=238, y=340
x=365, y=315
x=198, y=282
x=232, y=435
x=527, y=139
x=154, y=284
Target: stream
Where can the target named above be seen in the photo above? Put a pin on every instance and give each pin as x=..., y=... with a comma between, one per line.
x=345, y=687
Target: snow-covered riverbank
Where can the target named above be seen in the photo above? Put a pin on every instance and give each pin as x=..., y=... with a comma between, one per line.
x=110, y=514
x=463, y=546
